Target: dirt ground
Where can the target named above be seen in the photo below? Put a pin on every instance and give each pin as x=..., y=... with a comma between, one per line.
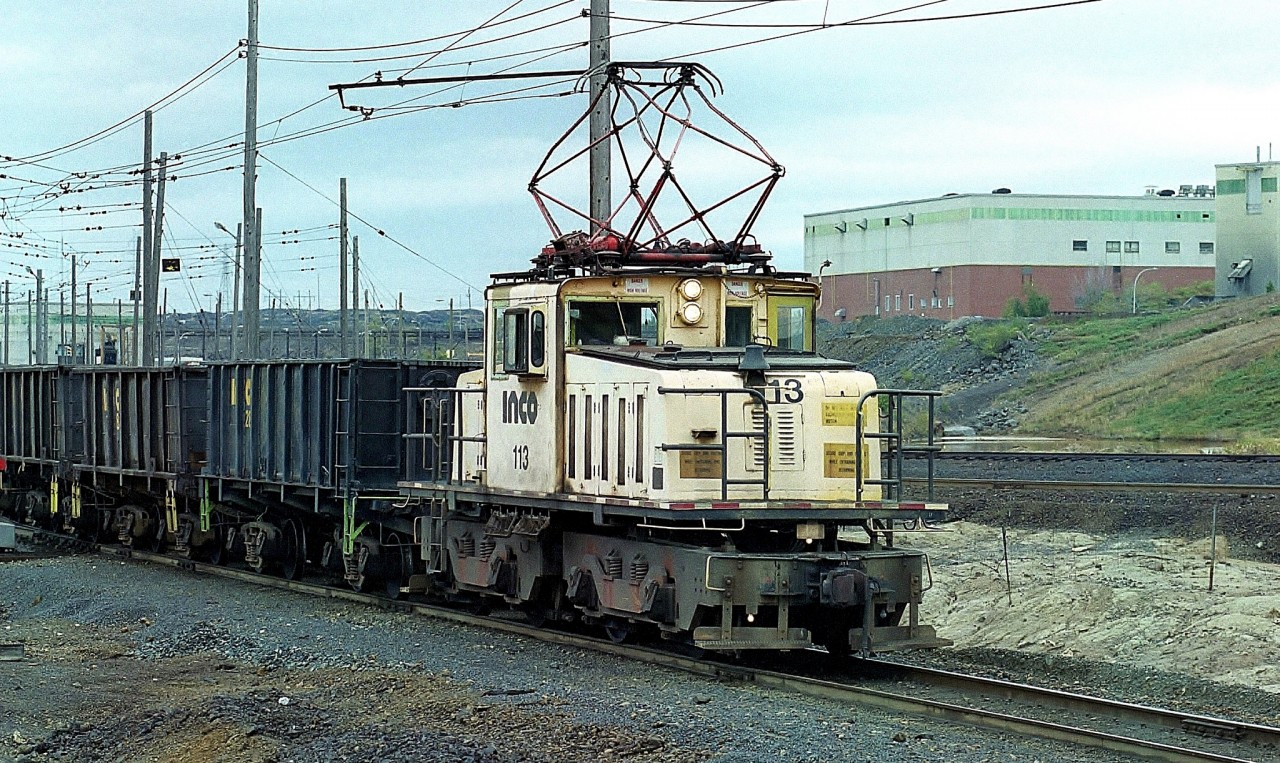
x=1129, y=598
x=89, y=701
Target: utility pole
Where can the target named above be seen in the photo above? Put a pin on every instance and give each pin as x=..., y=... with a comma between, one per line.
x=88, y=325
x=31, y=348
x=366, y=324
x=135, y=347
x=151, y=320
x=145, y=348
x=6, y=323
x=252, y=216
x=344, y=328
x=42, y=338
x=601, y=115
x=74, y=265
x=236, y=305
x=252, y=272
x=355, y=287
x=217, y=328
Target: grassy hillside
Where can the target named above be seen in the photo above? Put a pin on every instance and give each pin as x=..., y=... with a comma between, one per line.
x=1203, y=374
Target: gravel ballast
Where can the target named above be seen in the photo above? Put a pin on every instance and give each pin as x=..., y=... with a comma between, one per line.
x=133, y=662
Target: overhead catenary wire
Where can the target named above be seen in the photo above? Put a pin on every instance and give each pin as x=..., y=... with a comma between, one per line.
x=372, y=227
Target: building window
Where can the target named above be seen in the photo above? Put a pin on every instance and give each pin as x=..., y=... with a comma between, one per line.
x=1113, y=247
x=911, y=301
x=1131, y=247
x=897, y=302
x=951, y=301
x=886, y=303
x=1206, y=247
x=1079, y=245
x=1172, y=247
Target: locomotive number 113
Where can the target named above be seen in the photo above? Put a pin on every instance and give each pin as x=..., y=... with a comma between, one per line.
x=520, y=456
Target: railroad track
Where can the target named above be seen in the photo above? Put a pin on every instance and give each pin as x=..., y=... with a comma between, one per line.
x=1094, y=722
x=1117, y=487
x=1062, y=457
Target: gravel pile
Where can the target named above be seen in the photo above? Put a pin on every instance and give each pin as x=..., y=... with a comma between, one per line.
x=924, y=353
x=130, y=660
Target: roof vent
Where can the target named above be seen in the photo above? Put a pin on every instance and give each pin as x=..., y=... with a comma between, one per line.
x=1002, y=190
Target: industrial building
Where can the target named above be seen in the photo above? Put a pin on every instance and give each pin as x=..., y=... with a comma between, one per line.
x=970, y=254
x=1248, y=229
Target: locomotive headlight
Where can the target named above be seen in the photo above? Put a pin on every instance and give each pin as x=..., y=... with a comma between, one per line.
x=691, y=312
x=691, y=289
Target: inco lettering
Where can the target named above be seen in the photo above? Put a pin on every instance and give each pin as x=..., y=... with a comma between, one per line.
x=519, y=407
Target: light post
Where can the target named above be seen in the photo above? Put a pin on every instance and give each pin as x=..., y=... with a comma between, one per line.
x=177, y=350
x=40, y=351
x=235, y=286
x=1135, y=287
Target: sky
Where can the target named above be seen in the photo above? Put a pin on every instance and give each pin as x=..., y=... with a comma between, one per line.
x=1105, y=97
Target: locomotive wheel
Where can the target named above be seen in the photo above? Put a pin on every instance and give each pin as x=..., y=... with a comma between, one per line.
x=618, y=630
x=535, y=613
x=294, y=554
x=397, y=565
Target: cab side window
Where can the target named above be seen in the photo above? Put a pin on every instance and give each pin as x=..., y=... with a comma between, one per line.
x=538, y=340
x=792, y=320
x=515, y=341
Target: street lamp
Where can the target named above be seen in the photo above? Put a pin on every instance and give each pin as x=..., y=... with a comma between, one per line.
x=235, y=286
x=1135, y=287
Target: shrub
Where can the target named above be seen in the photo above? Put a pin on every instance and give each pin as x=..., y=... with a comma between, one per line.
x=994, y=337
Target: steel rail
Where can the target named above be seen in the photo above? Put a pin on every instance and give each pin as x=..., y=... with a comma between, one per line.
x=1028, y=455
x=1145, y=715
x=807, y=686
x=1119, y=487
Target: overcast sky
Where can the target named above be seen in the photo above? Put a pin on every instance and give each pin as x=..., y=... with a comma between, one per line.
x=1099, y=98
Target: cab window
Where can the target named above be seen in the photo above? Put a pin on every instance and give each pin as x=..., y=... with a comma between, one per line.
x=515, y=355
x=737, y=326
x=613, y=322
x=792, y=320
x=538, y=340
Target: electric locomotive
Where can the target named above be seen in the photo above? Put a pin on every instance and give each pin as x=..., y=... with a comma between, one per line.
x=658, y=445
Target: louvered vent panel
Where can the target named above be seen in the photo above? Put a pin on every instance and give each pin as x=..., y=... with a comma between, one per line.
x=786, y=435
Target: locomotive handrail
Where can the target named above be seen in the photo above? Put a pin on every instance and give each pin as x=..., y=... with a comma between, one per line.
x=895, y=441
x=442, y=466
x=723, y=446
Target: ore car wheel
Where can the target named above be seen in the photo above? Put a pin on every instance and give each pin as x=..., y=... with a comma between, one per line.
x=367, y=555
x=216, y=552
x=618, y=630
x=153, y=541
x=397, y=565
x=294, y=553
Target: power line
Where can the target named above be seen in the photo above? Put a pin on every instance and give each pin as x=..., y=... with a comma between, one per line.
x=373, y=227
x=437, y=38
